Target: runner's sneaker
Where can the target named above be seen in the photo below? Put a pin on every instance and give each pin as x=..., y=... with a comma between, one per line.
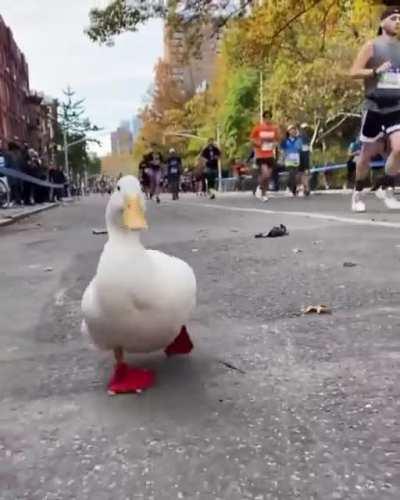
x=357, y=205
x=300, y=191
x=390, y=201
x=380, y=194
x=264, y=198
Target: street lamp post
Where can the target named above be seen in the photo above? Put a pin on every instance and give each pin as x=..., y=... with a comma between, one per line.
x=183, y=133
x=261, y=95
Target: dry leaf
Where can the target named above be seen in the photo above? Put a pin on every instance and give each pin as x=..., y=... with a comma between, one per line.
x=319, y=309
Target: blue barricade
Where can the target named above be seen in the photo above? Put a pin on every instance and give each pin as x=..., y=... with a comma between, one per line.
x=10, y=172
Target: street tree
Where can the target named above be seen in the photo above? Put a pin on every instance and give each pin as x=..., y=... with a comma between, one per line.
x=74, y=127
x=128, y=15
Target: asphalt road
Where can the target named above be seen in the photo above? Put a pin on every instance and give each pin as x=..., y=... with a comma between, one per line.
x=271, y=405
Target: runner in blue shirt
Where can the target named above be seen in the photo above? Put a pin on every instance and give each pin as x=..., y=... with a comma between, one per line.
x=291, y=148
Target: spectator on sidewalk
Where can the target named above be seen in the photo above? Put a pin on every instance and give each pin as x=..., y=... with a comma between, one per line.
x=30, y=166
x=4, y=159
x=239, y=171
x=57, y=176
x=17, y=164
x=41, y=194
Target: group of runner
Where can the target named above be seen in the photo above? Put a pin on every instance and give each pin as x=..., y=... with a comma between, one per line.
x=151, y=170
x=294, y=148
x=153, y=165
x=378, y=65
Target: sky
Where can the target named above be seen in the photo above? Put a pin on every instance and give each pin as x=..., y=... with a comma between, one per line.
x=113, y=80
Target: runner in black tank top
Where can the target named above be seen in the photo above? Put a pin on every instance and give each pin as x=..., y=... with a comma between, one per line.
x=378, y=64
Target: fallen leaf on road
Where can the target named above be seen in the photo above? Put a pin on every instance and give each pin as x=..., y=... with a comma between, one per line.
x=48, y=269
x=195, y=250
x=320, y=309
x=349, y=264
x=318, y=242
x=297, y=250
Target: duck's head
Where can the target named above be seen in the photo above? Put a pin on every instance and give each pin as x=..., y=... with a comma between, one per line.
x=126, y=208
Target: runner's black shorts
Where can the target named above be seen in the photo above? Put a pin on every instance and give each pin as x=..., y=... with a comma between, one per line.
x=304, y=162
x=375, y=126
x=270, y=162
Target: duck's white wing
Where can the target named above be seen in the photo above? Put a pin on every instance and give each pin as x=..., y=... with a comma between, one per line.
x=176, y=280
x=89, y=306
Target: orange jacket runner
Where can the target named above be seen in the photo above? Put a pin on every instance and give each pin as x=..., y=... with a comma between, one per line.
x=266, y=138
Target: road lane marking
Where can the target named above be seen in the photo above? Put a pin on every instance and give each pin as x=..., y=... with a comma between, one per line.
x=310, y=215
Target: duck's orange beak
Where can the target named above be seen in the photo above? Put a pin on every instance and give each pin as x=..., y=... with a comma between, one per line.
x=133, y=214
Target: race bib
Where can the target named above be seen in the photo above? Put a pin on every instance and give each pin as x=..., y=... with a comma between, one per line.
x=267, y=146
x=2, y=161
x=174, y=170
x=305, y=148
x=267, y=140
x=389, y=80
x=293, y=159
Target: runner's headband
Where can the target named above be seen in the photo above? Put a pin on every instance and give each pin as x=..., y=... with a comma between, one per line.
x=389, y=12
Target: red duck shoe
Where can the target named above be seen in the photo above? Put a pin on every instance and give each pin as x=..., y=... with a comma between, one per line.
x=130, y=380
x=181, y=345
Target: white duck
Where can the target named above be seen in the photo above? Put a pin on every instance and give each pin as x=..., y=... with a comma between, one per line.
x=139, y=299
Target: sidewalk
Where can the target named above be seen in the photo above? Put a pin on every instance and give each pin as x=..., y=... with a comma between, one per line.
x=11, y=215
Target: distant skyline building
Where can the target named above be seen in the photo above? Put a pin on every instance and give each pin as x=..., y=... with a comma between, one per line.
x=192, y=71
x=122, y=139
x=136, y=126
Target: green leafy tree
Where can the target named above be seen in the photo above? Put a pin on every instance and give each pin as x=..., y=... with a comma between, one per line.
x=128, y=15
x=94, y=164
x=73, y=127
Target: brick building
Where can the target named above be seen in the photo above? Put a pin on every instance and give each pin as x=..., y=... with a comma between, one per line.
x=14, y=88
x=42, y=125
x=25, y=117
